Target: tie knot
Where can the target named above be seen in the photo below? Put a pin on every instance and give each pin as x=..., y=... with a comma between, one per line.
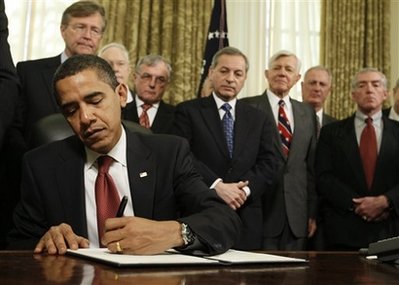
x=226, y=107
x=146, y=106
x=281, y=103
x=104, y=162
x=369, y=120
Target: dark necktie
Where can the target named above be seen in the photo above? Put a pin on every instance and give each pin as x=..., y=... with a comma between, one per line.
x=318, y=126
x=284, y=128
x=368, y=151
x=228, y=127
x=107, y=197
x=144, y=120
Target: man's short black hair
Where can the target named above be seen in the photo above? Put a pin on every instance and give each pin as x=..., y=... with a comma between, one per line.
x=79, y=63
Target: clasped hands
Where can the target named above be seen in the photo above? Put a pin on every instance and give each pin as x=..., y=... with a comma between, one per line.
x=233, y=194
x=372, y=209
x=133, y=235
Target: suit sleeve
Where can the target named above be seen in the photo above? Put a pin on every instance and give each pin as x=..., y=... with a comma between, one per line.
x=182, y=126
x=214, y=223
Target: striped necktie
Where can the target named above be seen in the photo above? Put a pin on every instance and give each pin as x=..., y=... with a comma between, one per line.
x=284, y=128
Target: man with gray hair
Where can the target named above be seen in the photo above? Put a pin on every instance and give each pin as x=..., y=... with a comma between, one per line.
x=316, y=87
x=117, y=56
x=356, y=165
x=289, y=210
x=151, y=79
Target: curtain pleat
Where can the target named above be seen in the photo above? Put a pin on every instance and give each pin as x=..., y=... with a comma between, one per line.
x=175, y=29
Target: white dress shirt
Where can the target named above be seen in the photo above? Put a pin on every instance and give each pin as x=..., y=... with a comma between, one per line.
x=119, y=174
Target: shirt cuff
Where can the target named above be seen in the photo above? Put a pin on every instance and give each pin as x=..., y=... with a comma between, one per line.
x=216, y=182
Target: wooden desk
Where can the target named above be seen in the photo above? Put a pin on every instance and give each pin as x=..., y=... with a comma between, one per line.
x=22, y=267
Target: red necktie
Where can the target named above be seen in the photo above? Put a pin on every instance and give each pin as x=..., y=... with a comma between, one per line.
x=284, y=128
x=107, y=197
x=368, y=151
x=144, y=120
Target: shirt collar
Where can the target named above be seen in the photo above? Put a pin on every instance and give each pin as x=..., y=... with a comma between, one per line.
x=118, y=152
x=140, y=102
x=220, y=102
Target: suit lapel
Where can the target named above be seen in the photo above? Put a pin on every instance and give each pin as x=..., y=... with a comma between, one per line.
x=210, y=115
x=351, y=149
x=265, y=105
x=48, y=74
x=242, y=128
x=142, y=175
x=70, y=179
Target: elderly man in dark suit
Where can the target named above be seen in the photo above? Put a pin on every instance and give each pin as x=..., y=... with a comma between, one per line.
x=289, y=210
x=151, y=79
x=63, y=205
x=250, y=158
x=357, y=164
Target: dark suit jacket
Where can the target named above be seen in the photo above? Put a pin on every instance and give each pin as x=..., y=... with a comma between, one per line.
x=253, y=159
x=341, y=178
x=53, y=191
x=294, y=196
x=36, y=98
x=8, y=98
x=8, y=77
x=163, y=120
x=327, y=119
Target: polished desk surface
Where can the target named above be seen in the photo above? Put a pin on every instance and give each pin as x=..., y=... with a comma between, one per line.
x=24, y=267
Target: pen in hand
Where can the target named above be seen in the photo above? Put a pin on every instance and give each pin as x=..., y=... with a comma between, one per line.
x=122, y=207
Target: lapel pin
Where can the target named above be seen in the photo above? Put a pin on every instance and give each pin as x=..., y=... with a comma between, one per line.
x=143, y=174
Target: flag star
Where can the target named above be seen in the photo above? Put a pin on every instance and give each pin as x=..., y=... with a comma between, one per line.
x=210, y=36
x=217, y=34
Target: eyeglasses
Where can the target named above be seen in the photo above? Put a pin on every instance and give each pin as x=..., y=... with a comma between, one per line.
x=82, y=29
x=147, y=78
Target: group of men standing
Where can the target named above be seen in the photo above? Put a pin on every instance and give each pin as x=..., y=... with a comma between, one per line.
x=284, y=167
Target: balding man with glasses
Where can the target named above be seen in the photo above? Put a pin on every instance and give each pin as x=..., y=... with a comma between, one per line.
x=151, y=79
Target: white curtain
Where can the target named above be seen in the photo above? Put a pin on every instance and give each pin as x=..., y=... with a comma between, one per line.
x=35, y=27
x=259, y=28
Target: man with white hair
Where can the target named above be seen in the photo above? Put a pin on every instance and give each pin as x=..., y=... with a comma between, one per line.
x=289, y=210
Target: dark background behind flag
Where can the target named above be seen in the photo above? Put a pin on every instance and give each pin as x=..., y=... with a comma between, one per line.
x=217, y=38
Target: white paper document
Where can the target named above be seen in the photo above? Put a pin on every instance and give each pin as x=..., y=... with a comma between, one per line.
x=174, y=258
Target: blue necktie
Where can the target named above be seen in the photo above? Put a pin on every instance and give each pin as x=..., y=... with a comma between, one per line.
x=228, y=127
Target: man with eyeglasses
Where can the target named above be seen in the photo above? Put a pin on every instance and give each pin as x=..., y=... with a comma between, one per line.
x=151, y=78
x=82, y=27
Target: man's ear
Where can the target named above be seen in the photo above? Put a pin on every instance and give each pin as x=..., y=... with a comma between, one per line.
x=121, y=90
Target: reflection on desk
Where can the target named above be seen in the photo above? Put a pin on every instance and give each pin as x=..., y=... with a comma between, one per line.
x=22, y=267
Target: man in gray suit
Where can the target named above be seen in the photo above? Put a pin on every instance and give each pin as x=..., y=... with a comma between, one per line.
x=289, y=210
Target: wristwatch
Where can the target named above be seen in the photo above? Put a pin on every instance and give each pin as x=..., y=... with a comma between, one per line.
x=187, y=235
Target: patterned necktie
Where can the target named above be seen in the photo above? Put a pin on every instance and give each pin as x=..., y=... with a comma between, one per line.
x=368, y=151
x=144, y=120
x=228, y=127
x=107, y=197
x=284, y=128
